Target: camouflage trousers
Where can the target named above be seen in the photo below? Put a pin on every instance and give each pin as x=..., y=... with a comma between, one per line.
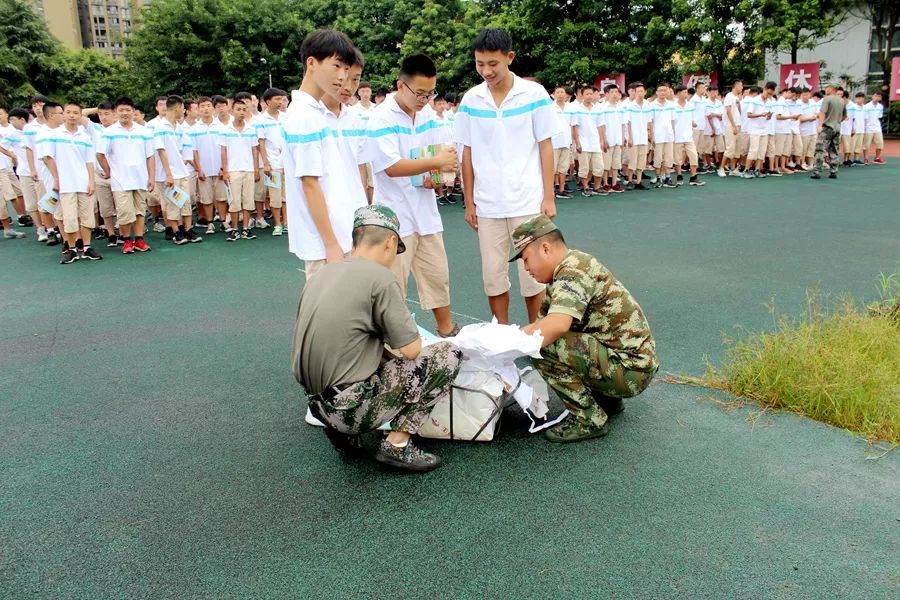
x=401, y=391
x=579, y=368
x=827, y=143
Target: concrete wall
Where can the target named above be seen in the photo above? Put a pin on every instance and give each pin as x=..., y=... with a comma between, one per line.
x=62, y=20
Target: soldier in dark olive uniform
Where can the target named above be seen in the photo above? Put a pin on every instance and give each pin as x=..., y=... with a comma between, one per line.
x=597, y=347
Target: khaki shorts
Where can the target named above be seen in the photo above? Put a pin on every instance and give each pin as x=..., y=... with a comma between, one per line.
x=782, y=144
x=561, y=160
x=76, y=210
x=846, y=143
x=612, y=158
x=590, y=163
x=276, y=195
x=219, y=190
x=731, y=143
x=743, y=144
x=682, y=149
x=809, y=146
x=130, y=205
x=876, y=137
x=103, y=194
x=29, y=193
x=156, y=197
x=206, y=190
x=796, y=145
x=191, y=187
x=4, y=211
x=697, y=135
x=259, y=190
x=636, y=157
x=9, y=185
x=857, y=143
x=770, y=149
x=718, y=144
x=758, y=146
x=311, y=267
x=663, y=154
x=242, y=189
x=170, y=209
x=494, y=240
x=426, y=259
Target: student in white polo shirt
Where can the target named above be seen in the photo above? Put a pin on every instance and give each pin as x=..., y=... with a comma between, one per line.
x=401, y=130
x=127, y=155
x=783, y=118
x=700, y=102
x=271, y=145
x=15, y=142
x=106, y=207
x=809, y=120
x=347, y=125
x=639, y=122
x=562, y=141
x=586, y=137
x=612, y=137
x=874, y=110
x=260, y=191
x=156, y=197
x=173, y=148
x=856, y=112
x=505, y=125
x=321, y=192
x=756, y=115
x=684, y=128
x=732, y=121
x=240, y=168
x=663, y=138
x=204, y=134
x=69, y=156
x=53, y=120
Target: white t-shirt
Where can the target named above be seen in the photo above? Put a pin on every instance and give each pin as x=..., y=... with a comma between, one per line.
x=735, y=103
x=794, y=109
x=393, y=137
x=612, y=117
x=563, y=139
x=684, y=121
x=42, y=135
x=638, y=117
x=663, y=121
x=858, y=116
x=176, y=143
x=13, y=140
x=755, y=125
x=781, y=108
x=701, y=108
x=587, y=121
x=873, y=113
x=126, y=151
x=311, y=150
x=714, y=126
x=205, y=139
x=74, y=155
x=504, y=146
x=352, y=136
x=268, y=128
x=239, y=145
x=847, y=124
x=808, y=109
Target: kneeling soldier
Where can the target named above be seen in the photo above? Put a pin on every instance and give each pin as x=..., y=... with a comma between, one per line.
x=597, y=344
x=346, y=315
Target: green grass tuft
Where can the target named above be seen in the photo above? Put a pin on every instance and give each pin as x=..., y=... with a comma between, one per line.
x=840, y=367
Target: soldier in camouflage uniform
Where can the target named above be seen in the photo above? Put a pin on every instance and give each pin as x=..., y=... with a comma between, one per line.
x=831, y=113
x=598, y=347
x=346, y=315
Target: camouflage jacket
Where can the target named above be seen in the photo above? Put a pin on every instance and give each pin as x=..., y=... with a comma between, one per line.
x=601, y=306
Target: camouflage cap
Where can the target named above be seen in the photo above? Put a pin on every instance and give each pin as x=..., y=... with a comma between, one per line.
x=528, y=232
x=378, y=215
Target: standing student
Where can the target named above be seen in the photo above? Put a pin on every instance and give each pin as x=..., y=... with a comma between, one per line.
x=69, y=156
x=639, y=123
x=874, y=110
x=858, y=118
x=562, y=141
x=713, y=138
x=322, y=194
x=103, y=195
x=663, y=136
x=204, y=134
x=809, y=119
x=39, y=174
x=174, y=151
x=783, y=137
x=400, y=129
x=126, y=155
x=156, y=198
x=586, y=137
x=846, y=128
x=505, y=125
x=365, y=107
x=732, y=128
x=240, y=169
x=612, y=136
x=757, y=126
x=684, y=147
x=14, y=141
x=700, y=102
x=53, y=117
x=271, y=145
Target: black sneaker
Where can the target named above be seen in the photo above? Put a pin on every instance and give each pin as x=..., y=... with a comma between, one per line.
x=113, y=241
x=233, y=236
x=53, y=239
x=68, y=257
x=442, y=201
x=680, y=180
x=248, y=234
x=832, y=176
x=815, y=176
x=100, y=234
x=170, y=235
x=193, y=237
x=180, y=238
x=668, y=183
x=408, y=457
x=26, y=221
x=90, y=254
x=201, y=222
x=775, y=173
x=629, y=186
x=451, y=199
x=267, y=214
x=640, y=186
x=696, y=181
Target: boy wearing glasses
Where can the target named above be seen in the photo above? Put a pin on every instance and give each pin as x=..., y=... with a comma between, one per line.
x=401, y=130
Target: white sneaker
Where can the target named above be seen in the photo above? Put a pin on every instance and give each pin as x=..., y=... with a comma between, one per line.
x=159, y=227
x=12, y=234
x=277, y=231
x=311, y=420
x=210, y=229
x=262, y=224
x=721, y=172
x=804, y=167
x=41, y=234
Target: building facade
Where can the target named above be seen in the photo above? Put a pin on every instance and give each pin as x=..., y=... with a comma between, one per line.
x=100, y=24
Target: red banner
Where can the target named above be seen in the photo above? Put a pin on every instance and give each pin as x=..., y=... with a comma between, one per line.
x=692, y=79
x=805, y=75
x=895, y=79
x=604, y=79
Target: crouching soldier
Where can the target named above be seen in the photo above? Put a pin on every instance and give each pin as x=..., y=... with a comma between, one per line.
x=597, y=345
x=347, y=313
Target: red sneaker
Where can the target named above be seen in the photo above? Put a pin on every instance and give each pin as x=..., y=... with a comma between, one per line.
x=618, y=189
x=607, y=189
x=128, y=248
x=865, y=162
x=879, y=161
x=141, y=246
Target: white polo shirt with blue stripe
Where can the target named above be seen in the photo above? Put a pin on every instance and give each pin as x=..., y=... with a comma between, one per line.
x=74, y=156
x=504, y=146
x=311, y=150
x=394, y=136
x=127, y=151
x=205, y=139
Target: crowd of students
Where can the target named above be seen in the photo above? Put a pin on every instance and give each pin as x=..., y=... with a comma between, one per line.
x=79, y=175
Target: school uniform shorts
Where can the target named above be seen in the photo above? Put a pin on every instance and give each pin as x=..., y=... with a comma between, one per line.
x=809, y=146
x=170, y=209
x=590, y=163
x=612, y=158
x=242, y=190
x=29, y=193
x=857, y=143
x=130, y=205
x=426, y=259
x=796, y=145
x=9, y=185
x=75, y=210
x=758, y=146
x=276, y=195
x=259, y=189
x=874, y=137
x=494, y=240
x=104, y=196
x=561, y=161
x=636, y=157
x=663, y=154
x=687, y=149
x=206, y=190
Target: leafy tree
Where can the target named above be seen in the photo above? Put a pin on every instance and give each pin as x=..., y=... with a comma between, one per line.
x=88, y=76
x=885, y=17
x=793, y=25
x=25, y=43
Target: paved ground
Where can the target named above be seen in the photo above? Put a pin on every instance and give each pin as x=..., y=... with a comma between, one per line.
x=152, y=441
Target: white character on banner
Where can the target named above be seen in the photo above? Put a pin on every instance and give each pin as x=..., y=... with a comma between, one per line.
x=799, y=79
x=606, y=82
x=697, y=78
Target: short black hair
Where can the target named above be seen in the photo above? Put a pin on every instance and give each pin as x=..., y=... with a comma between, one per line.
x=771, y=85
x=325, y=43
x=559, y=87
x=106, y=105
x=638, y=84
x=662, y=84
x=21, y=113
x=737, y=81
x=591, y=87
x=124, y=101
x=39, y=98
x=246, y=97
x=417, y=64
x=202, y=99
x=364, y=84
x=609, y=87
x=162, y=98
x=817, y=94
x=714, y=88
x=173, y=101
x=358, y=59
x=381, y=93
x=679, y=88
x=73, y=103
x=569, y=90
x=691, y=91
x=493, y=40
x=48, y=105
x=218, y=100
x=860, y=95
x=273, y=93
